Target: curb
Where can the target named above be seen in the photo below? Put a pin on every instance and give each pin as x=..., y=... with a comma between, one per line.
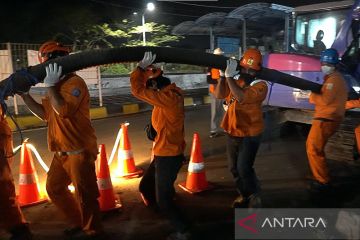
x=31, y=121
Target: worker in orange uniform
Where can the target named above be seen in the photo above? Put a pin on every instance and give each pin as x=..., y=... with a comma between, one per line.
x=12, y=219
x=157, y=185
x=217, y=110
x=243, y=122
x=72, y=139
x=329, y=112
x=349, y=105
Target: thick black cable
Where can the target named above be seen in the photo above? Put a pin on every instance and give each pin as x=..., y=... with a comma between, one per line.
x=89, y=58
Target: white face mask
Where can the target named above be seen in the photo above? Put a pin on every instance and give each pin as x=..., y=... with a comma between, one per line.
x=327, y=69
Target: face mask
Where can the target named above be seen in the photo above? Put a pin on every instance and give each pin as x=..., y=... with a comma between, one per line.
x=327, y=69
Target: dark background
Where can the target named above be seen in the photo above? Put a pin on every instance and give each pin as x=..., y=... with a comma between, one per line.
x=27, y=21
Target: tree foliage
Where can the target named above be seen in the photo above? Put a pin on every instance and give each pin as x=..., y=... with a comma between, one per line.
x=123, y=33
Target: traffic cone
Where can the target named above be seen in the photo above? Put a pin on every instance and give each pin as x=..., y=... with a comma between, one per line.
x=126, y=165
x=29, y=191
x=108, y=200
x=196, y=178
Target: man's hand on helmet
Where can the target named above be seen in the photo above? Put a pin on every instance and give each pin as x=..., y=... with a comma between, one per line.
x=148, y=59
x=231, y=71
x=53, y=74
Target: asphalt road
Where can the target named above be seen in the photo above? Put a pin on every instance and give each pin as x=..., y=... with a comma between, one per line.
x=281, y=165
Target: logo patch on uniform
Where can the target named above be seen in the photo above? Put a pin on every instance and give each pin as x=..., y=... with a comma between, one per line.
x=75, y=92
x=329, y=86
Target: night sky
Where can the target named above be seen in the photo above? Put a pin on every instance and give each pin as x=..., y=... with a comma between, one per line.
x=28, y=21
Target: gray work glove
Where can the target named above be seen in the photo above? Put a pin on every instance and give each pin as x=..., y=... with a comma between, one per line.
x=231, y=66
x=148, y=59
x=53, y=74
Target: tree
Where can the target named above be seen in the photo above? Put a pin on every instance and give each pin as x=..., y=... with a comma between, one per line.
x=124, y=33
x=157, y=35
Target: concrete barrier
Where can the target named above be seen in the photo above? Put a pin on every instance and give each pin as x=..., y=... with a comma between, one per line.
x=96, y=113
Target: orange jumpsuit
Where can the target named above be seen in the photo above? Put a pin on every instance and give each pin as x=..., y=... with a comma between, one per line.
x=329, y=112
x=72, y=138
x=11, y=215
x=355, y=104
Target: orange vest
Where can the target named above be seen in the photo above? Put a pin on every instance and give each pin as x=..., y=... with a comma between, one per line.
x=71, y=129
x=167, y=116
x=330, y=103
x=215, y=74
x=245, y=118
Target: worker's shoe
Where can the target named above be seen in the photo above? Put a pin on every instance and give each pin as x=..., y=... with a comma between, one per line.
x=254, y=201
x=21, y=232
x=216, y=134
x=179, y=236
x=240, y=202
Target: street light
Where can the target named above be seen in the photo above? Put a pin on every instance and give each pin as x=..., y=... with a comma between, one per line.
x=150, y=7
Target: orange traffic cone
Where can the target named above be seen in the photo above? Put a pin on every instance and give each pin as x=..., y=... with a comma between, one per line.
x=126, y=165
x=196, y=178
x=29, y=191
x=108, y=200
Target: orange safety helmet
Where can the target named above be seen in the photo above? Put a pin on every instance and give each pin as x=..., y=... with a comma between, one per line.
x=251, y=59
x=52, y=49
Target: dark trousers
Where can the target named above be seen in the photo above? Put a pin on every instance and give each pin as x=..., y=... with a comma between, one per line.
x=157, y=186
x=241, y=152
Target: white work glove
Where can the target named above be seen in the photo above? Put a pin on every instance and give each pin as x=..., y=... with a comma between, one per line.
x=222, y=73
x=225, y=106
x=148, y=59
x=231, y=71
x=53, y=74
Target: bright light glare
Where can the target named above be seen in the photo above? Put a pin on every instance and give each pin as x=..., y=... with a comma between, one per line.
x=135, y=13
x=71, y=188
x=357, y=89
x=150, y=6
x=38, y=157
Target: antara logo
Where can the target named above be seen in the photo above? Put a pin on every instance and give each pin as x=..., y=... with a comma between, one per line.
x=249, y=222
x=290, y=222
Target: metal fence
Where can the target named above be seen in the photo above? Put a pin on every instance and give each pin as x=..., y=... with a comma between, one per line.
x=18, y=53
